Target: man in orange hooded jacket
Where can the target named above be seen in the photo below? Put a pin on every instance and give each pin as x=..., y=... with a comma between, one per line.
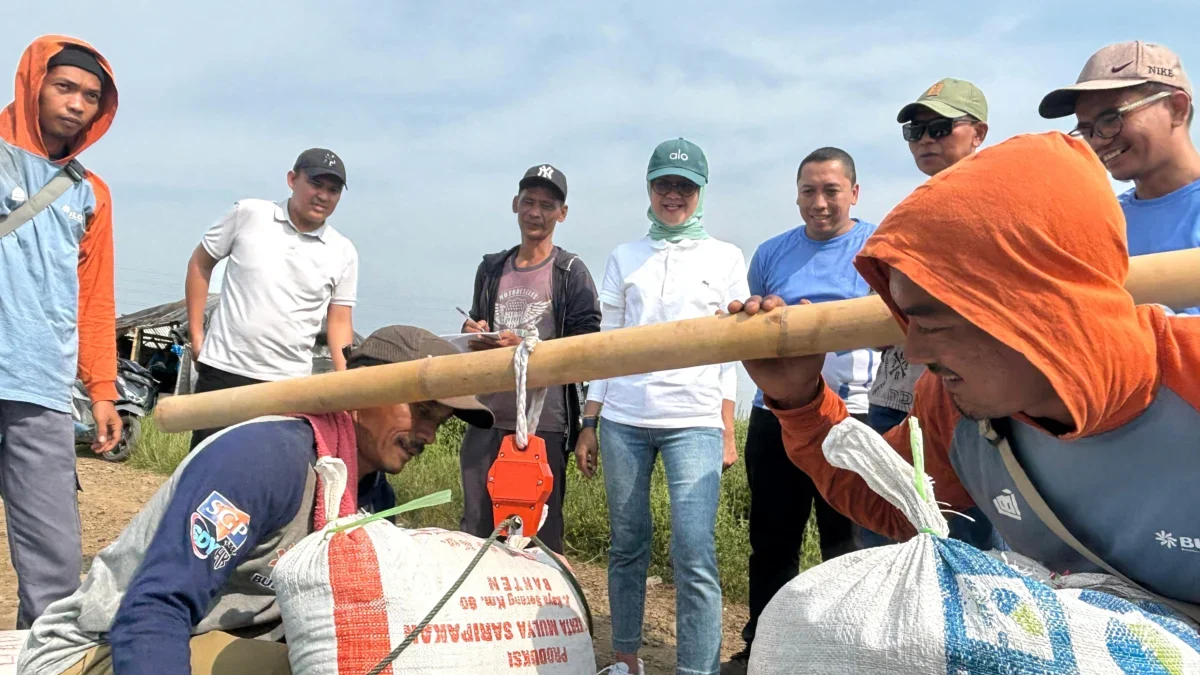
x=1018, y=309
x=57, y=318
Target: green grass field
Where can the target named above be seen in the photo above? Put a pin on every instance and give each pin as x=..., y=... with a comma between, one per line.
x=586, y=512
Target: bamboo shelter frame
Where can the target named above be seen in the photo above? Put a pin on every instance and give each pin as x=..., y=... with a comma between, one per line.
x=1171, y=279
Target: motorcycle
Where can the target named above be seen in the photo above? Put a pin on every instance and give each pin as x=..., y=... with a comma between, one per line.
x=137, y=393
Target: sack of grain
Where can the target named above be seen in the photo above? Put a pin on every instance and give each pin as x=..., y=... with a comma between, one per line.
x=938, y=605
x=349, y=598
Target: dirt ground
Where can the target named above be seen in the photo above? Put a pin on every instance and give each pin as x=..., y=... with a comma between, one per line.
x=113, y=493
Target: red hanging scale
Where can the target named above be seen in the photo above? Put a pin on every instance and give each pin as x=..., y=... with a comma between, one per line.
x=520, y=483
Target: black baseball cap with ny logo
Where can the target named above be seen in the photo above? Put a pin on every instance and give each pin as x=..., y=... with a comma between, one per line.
x=547, y=175
x=321, y=162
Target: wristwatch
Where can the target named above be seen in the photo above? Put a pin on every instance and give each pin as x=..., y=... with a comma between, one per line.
x=590, y=422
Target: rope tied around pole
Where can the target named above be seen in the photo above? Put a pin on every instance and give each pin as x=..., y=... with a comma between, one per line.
x=527, y=422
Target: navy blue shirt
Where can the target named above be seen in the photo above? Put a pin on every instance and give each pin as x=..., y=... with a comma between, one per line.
x=235, y=504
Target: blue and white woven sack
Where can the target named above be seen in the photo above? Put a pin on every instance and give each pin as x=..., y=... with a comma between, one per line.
x=938, y=605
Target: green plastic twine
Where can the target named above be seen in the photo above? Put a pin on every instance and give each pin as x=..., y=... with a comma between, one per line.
x=917, y=443
x=434, y=499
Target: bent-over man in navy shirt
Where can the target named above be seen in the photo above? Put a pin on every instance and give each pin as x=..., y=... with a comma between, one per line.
x=187, y=586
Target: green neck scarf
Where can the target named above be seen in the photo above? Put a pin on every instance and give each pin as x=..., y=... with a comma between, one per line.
x=692, y=228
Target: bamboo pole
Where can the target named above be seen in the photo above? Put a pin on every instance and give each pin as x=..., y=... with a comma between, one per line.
x=1166, y=278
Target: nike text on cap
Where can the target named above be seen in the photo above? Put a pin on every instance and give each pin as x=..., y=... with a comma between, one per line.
x=545, y=174
x=1125, y=64
x=321, y=162
x=949, y=98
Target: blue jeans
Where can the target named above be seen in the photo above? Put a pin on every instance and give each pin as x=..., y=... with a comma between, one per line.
x=692, y=463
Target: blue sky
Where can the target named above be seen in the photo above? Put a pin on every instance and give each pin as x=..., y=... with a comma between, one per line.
x=438, y=108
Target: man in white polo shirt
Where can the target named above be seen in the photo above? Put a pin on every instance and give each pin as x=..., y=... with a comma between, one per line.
x=287, y=270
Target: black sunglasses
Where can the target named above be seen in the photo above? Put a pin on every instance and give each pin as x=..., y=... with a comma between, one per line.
x=685, y=188
x=937, y=128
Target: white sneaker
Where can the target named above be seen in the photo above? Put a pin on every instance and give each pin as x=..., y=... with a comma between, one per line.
x=619, y=668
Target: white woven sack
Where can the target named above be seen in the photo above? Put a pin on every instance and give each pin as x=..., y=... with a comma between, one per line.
x=349, y=598
x=938, y=605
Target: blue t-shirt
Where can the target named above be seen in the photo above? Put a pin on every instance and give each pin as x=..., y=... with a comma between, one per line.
x=795, y=267
x=1169, y=223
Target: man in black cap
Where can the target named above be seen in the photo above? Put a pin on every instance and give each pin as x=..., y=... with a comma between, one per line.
x=191, y=575
x=533, y=285
x=288, y=273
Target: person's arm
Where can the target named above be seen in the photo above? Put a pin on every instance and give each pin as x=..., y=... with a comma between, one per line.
x=339, y=322
x=807, y=409
x=804, y=430
x=754, y=279
x=612, y=317
x=730, y=434
x=339, y=332
x=216, y=244
x=583, y=304
x=735, y=289
x=227, y=499
x=196, y=283
x=97, y=318
x=478, y=324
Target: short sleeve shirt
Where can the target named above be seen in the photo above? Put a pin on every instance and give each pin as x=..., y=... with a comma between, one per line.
x=524, y=299
x=278, y=285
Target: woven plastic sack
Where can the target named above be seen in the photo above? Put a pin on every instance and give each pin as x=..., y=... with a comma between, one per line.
x=349, y=598
x=938, y=605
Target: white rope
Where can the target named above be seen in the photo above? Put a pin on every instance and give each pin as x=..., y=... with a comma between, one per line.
x=527, y=424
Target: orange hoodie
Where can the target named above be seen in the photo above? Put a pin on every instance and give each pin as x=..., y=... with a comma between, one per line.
x=19, y=126
x=1038, y=263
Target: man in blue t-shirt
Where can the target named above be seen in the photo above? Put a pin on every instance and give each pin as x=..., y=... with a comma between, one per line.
x=813, y=262
x=1133, y=103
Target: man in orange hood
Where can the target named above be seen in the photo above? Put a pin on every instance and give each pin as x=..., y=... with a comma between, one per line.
x=1017, y=307
x=57, y=318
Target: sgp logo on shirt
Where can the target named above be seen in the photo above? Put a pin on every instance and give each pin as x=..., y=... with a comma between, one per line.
x=218, y=529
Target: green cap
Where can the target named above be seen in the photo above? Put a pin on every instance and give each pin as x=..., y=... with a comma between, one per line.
x=679, y=157
x=949, y=98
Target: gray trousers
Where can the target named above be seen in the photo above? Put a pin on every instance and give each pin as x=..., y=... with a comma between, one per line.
x=480, y=447
x=37, y=483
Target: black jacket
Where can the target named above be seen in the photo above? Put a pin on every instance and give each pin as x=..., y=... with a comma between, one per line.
x=576, y=308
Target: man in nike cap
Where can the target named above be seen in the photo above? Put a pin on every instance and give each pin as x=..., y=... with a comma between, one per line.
x=1133, y=104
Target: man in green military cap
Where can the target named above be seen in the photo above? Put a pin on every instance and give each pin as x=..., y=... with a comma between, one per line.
x=946, y=124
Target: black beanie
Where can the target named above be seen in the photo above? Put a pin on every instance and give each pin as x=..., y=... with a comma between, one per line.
x=80, y=58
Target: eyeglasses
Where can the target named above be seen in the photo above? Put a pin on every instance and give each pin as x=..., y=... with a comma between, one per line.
x=1109, y=124
x=937, y=128
x=685, y=188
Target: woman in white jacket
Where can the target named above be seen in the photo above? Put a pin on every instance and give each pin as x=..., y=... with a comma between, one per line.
x=674, y=272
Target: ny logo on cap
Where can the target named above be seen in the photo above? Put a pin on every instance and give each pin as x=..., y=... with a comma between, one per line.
x=935, y=89
x=546, y=172
x=330, y=160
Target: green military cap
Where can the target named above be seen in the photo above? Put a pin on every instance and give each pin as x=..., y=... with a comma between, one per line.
x=949, y=98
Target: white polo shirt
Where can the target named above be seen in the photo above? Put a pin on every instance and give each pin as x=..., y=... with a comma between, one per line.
x=646, y=282
x=278, y=285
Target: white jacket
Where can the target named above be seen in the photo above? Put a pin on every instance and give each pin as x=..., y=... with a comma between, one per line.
x=646, y=282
